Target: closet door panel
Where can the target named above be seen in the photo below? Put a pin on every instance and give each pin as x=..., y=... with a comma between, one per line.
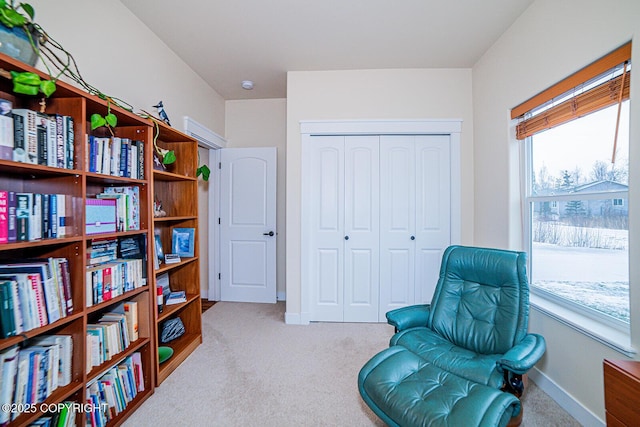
x=397, y=222
x=325, y=216
x=433, y=210
x=362, y=223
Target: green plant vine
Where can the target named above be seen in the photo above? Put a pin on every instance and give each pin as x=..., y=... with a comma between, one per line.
x=54, y=56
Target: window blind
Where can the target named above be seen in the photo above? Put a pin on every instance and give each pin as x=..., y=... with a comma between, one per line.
x=590, y=89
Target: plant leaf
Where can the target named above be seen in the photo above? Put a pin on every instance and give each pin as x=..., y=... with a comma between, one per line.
x=47, y=87
x=169, y=157
x=3, y=4
x=28, y=10
x=15, y=18
x=111, y=119
x=97, y=120
x=204, y=171
x=25, y=89
x=26, y=78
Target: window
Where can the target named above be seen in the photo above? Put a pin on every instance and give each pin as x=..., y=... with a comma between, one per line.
x=577, y=192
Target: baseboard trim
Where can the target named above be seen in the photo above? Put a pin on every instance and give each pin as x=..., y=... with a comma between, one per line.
x=296, y=318
x=583, y=415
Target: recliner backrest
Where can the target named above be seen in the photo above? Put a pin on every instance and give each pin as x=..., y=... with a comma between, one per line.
x=481, y=301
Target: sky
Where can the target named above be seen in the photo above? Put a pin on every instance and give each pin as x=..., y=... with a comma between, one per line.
x=581, y=142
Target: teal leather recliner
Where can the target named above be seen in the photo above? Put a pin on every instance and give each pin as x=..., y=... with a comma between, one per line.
x=460, y=359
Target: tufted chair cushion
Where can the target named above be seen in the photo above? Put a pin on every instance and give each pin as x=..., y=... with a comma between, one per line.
x=481, y=299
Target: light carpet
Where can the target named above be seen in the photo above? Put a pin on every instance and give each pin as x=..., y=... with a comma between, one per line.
x=254, y=370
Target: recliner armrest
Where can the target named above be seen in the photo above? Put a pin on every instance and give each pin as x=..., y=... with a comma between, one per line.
x=523, y=356
x=409, y=317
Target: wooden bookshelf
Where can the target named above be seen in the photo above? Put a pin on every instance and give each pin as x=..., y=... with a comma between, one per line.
x=79, y=184
x=176, y=187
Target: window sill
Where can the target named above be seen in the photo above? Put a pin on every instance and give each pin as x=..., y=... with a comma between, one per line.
x=605, y=334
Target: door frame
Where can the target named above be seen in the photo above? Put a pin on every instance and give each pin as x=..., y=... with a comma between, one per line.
x=310, y=128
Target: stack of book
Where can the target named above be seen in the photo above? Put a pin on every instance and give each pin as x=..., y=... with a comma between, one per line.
x=102, y=251
x=65, y=417
x=115, y=156
x=30, y=137
x=34, y=294
x=32, y=216
x=31, y=374
x=127, y=206
x=112, y=334
x=109, y=280
x=111, y=393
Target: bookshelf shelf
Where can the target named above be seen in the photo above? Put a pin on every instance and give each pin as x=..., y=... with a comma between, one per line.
x=113, y=301
x=96, y=371
x=170, y=310
x=177, y=189
x=170, y=176
x=182, y=348
x=59, y=395
x=73, y=183
x=175, y=218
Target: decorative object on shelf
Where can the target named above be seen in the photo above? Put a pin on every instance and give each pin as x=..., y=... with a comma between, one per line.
x=158, y=212
x=171, y=329
x=183, y=242
x=164, y=353
x=158, y=246
x=161, y=113
x=157, y=162
x=176, y=297
x=14, y=40
x=172, y=258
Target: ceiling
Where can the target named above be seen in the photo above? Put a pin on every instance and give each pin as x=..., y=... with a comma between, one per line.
x=227, y=41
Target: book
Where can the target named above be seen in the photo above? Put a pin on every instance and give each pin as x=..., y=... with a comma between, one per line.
x=12, y=233
x=100, y=216
x=25, y=132
x=65, y=344
x=4, y=216
x=24, y=203
x=176, y=297
x=9, y=367
x=133, y=204
x=7, y=322
x=6, y=130
x=131, y=312
x=64, y=212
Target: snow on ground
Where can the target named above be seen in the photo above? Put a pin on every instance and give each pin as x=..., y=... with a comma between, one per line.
x=596, y=278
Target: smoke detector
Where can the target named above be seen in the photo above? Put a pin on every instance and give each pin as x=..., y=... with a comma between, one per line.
x=247, y=84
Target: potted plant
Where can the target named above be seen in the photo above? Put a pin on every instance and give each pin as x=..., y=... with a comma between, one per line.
x=17, y=22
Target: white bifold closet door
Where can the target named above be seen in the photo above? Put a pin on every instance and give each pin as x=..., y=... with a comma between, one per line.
x=376, y=223
x=344, y=228
x=415, y=217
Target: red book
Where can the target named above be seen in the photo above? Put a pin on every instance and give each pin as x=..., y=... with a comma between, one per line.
x=106, y=283
x=36, y=285
x=4, y=217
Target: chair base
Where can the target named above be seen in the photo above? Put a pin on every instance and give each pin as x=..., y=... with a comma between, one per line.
x=404, y=390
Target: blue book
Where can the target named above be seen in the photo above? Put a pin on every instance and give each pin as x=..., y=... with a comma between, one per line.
x=53, y=215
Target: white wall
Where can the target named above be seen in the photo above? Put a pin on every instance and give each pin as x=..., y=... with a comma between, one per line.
x=370, y=94
x=550, y=41
x=261, y=123
x=120, y=56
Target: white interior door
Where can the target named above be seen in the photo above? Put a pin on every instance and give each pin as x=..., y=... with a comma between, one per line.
x=397, y=222
x=248, y=224
x=323, y=160
x=362, y=229
x=433, y=211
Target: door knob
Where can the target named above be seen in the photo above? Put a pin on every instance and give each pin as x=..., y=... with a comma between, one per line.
x=413, y=237
x=346, y=237
x=271, y=233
